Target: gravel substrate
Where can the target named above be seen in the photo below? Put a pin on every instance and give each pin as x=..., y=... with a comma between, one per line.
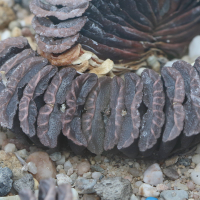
x=110, y=177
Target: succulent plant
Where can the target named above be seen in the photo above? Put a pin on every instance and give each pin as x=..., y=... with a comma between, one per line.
x=149, y=116
x=48, y=191
x=125, y=31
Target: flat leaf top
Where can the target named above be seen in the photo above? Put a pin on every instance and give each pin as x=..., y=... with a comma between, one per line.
x=192, y=91
x=26, y=102
x=154, y=118
x=95, y=118
x=41, y=9
x=133, y=98
x=75, y=100
x=50, y=117
x=175, y=114
x=114, y=123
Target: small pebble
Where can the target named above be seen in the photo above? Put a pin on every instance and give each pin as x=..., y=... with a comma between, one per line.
x=83, y=167
x=97, y=168
x=14, y=24
x=153, y=175
x=174, y=195
x=133, y=197
x=190, y=185
x=140, y=70
x=147, y=190
x=45, y=167
x=22, y=153
x=55, y=156
x=32, y=168
x=171, y=173
x=75, y=194
x=184, y=161
x=87, y=175
x=135, y=172
x=63, y=179
x=196, y=159
x=85, y=186
x=26, y=182
x=96, y=175
x=61, y=161
x=171, y=161
x=5, y=35
x=194, y=50
x=114, y=188
x=5, y=181
x=16, y=32
x=10, y=148
x=67, y=166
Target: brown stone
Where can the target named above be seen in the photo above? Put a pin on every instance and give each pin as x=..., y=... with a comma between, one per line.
x=45, y=166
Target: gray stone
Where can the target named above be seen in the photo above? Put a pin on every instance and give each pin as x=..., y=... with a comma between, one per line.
x=5, y=181
x=85, y=186
x=174, y=195
x=67, y=166
x=14, y=24
x=25, y=3
x=25, y=182
x=55, y=156
x=184, y=161
x=171, y=173
x=135, y=172
x=96, y=168
x=114, y=189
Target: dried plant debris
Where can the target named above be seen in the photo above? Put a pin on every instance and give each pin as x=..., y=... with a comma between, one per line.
x=48, y=191
x=143, y=117
x=122, y=30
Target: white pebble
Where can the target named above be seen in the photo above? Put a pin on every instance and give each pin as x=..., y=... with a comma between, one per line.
x=87, y=175
x=59, y=167
x=10, y=148
x=96, y=175
x=70, y=171
x=55, y=156
x=153, y=175
x=146, y=190
x=63, y=179
x=139, y=71
x=5, y=35
x=195, y=175
x=194, y=49
x=133, y=197
x=32, y=168
x=138, y=184
x=170, y=63
x=75, y=194
x=22, y=153
x=61, y=161
x=196, y=159
x=67, y=166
